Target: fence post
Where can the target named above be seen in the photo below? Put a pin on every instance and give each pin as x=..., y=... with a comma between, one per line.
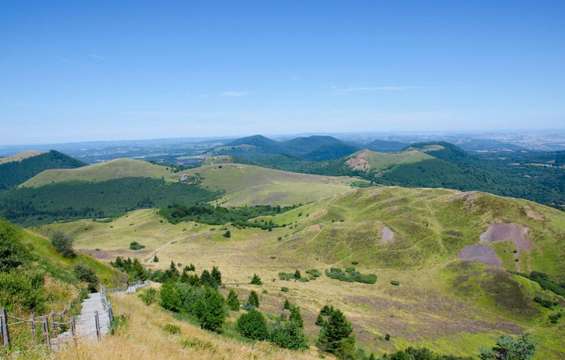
x=74, y=329
x=33, y=327
x=4, y=325
x=97, y=324
x=46, y=332
x=110, y=314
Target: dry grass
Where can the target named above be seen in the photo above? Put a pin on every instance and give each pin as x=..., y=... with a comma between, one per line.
x=143, y=338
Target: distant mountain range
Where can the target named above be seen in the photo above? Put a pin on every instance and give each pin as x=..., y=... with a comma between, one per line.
x=312, y=148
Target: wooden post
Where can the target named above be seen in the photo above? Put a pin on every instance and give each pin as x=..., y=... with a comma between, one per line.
x=97, y=324
x=4, y=325
x=46, y=332
x=110, y=313
x=33, y=327
x=52, y=315
x=74, y=330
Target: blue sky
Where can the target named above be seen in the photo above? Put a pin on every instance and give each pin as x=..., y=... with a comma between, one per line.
x=106, y=70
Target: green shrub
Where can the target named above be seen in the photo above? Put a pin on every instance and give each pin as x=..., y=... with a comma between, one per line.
x=171, y=329
x=555, y=317
x=284, y=289
x=22, y=290
x=256, y=280
x=253, y=299
x=12, y=253
x=289, y=335
x=227, y=234
x=545, y=302
x=63, y=244
x=395, y=283
x=511, y=348
x=313, y=273
x=87, y=275
x=253, y=325
x=134, y=245
x=149, y=296
x=171, y=297
x=351, y=275
x=118, y=322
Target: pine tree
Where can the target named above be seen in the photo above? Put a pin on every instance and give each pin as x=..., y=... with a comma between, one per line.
x=253, y=299
x=206, y=279
x=256, y=280
x=286, y=305
x=155, y=259
x=336, y=335
x=217, y=276
x=211, y=310
x=297, y=275
x=233, y=301
x=295, y=316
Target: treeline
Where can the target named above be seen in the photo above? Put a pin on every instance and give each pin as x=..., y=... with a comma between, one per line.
x=74, y=200
x=16, y=172
x=216, y=215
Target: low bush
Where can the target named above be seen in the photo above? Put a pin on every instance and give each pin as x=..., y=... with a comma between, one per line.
x=134, y=245
x=351, y=275
x=149, y=296
x=87, y=275
x=171, y=329
x=253, y=325
x=63, y=244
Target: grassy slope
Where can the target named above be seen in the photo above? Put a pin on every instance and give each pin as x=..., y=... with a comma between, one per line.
x=253, y=185
x=433, y=306
x=144, y=339
x=19, y=156
x=115, y=169
x=376, y=161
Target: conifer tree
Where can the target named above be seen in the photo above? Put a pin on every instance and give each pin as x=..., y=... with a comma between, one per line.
x=253, y=299
x=233, y=301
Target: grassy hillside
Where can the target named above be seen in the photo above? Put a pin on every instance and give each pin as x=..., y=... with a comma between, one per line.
x=144, y=338
x=13, y=173
x=19, y=156
x=370, y=161
x=410, y=237
x=111, y=170
x=53, y=283
x=253, y=185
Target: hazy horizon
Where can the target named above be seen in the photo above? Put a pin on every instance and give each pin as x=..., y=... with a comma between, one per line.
x=74, y=72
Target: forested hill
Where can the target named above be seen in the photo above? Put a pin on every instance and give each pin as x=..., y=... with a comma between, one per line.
x=262, y=149
x=15, y=172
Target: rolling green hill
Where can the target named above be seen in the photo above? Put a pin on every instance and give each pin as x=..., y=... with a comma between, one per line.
x=111, y=170
x=19, y=168
x=254, y=185
x=370, y=161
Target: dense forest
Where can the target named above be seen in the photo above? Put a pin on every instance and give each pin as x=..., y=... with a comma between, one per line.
x=16, y=172
x=215, y=215
x=72, y=200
